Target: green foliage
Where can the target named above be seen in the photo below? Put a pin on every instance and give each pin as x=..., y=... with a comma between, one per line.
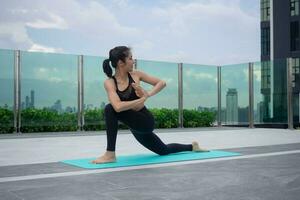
x=94, y=120
x=6, y=121
x=194, y=118
x=46, y=120
x=165, y=118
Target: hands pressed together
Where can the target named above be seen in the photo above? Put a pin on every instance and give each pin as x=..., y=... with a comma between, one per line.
x=140, y=92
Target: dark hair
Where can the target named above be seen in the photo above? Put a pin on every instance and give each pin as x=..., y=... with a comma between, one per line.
x=115, y=54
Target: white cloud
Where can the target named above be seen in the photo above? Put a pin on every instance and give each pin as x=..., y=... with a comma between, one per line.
x=207, y=32
x=200, y=76
x=257, y=75
x=179, y=56
x=15, y=32
x=49, y=74
x=41, y=48
x=55, y=22
x=55, y=79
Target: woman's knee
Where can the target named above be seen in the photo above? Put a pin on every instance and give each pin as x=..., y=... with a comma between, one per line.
x=109, y=111
x=109, y=108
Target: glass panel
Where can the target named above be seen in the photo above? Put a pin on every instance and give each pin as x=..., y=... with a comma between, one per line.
x=270, y=94
x=200, y=93
x=49, y=92
x=95, y=97
x=235, y=94
x=6, y=91
x=265, y=10
x=164, y=105
x=296, y=90
x=294, y=7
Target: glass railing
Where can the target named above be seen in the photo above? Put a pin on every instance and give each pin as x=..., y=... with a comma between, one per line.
x=94, y=93
x=200, y=94
x=270, y=92
x=234, y=94
x=49, y=93
x=165, y=104
x=296, y=89
x=49, y=89
x=6, y=91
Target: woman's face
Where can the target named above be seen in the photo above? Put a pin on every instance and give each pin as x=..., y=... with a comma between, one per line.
x=129, y=62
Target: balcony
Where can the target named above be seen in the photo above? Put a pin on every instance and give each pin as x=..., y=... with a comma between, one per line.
x=46, y=92
x=60, y=98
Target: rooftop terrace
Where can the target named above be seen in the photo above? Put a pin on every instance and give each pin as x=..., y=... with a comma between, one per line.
x=269, y=167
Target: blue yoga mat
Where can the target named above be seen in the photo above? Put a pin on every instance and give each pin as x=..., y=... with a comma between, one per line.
x=145, y=159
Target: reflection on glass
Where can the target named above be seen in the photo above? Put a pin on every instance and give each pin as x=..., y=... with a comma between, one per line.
x=49, y=91
x=200, y=90
x=278, y=92
x=168, y=97
x=270, y=92
x=164, y=105
x=235, y=95
x=6, y=90
x=95, y=97
x=296, y=90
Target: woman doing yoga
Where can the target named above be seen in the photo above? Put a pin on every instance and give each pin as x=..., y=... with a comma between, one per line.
x=127, y=99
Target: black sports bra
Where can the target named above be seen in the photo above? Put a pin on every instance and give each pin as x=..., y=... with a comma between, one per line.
x=129, y=93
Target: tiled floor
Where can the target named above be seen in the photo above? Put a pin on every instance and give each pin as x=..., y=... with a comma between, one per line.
x=269, y=167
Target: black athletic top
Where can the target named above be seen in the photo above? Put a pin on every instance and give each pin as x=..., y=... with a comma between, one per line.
x=129, y=93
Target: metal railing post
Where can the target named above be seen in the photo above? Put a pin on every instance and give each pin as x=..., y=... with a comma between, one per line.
x=251, y=97
x=290, y=94
x=180, y=97
x=17, y=92
x=80, y=112
x=219, y=95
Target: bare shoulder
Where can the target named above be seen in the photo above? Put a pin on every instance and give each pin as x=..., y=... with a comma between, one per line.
x=136, y=75
x=109, y=84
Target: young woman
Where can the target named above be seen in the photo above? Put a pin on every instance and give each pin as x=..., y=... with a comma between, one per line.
x=127, y=99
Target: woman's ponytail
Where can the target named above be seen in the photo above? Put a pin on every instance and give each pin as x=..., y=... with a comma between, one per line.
x=106, y=68
x=115, y=54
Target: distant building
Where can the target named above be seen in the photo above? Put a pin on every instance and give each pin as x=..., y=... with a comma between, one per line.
x=32, y=98
x=27, y=102
x=280, y=39
x=232, y=106
x=57, y=106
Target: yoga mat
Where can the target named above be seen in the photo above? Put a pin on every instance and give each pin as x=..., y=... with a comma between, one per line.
x=145, y=159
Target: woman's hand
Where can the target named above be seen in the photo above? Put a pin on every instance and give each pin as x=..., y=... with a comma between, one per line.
x=139, y=91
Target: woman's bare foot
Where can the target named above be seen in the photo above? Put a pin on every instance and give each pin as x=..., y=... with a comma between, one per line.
x=196, y=147
x=107, y=157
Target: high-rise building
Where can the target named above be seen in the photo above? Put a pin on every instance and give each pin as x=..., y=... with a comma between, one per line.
x=27, y=103
x=232, y=106
x=280, y=39
x=57, y=106
x=32, y=98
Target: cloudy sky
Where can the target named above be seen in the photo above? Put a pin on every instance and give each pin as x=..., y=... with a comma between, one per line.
x=213, y=32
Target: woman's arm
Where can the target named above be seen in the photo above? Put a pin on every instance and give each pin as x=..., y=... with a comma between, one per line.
x=115, y=101
x=158, y=84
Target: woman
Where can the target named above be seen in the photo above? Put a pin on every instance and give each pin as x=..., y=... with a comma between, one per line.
x=127, y=99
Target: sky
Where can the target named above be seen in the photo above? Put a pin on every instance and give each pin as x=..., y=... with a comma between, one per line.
x=211, y=32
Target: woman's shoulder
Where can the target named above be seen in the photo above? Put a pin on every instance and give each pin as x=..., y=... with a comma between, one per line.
x=109, y=82
x=137, y=73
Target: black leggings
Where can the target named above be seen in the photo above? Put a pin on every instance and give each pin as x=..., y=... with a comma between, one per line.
x=141, y=124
